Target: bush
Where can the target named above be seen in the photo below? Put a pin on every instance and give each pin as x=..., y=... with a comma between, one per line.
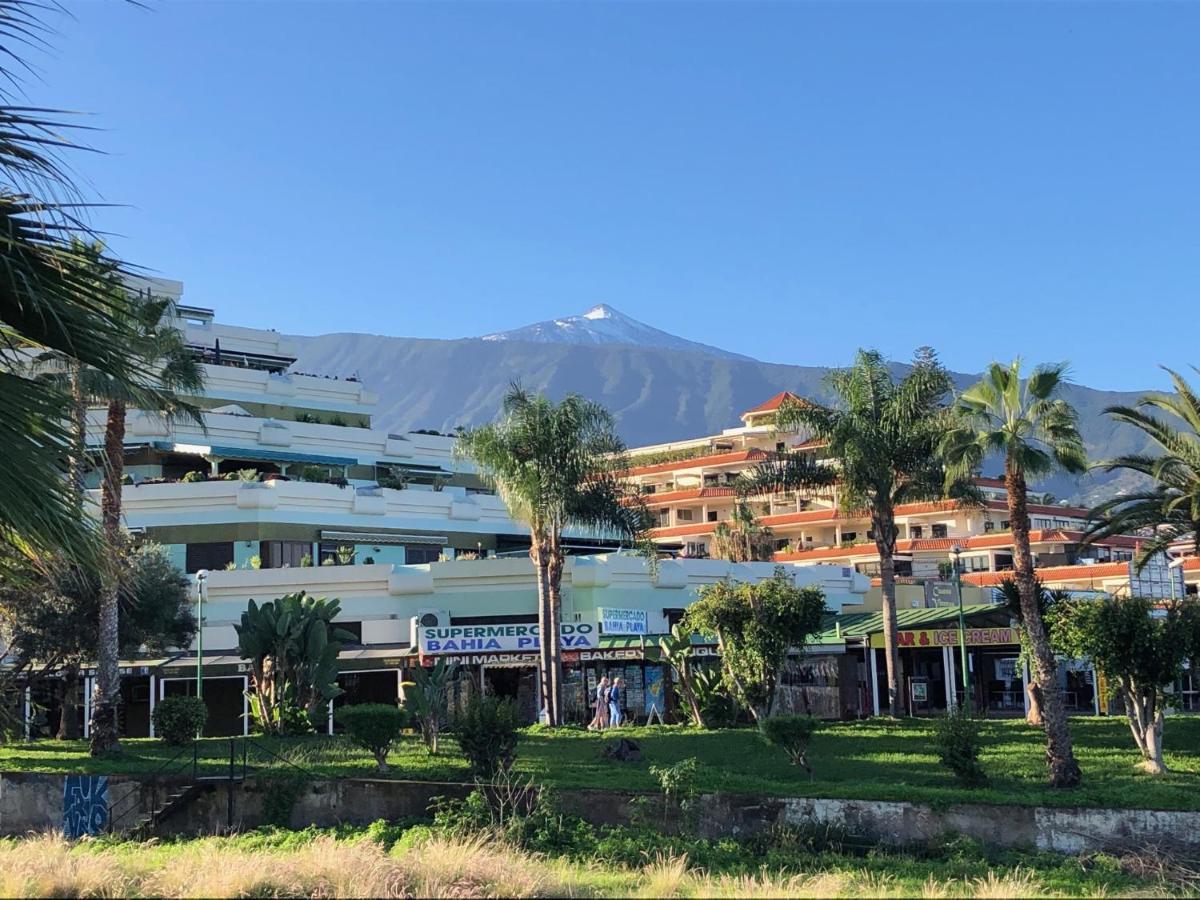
x=956, y=736
x=793, y=734
x=487, y=734
x=178, y=720
x=374, y=727
x=193, y=476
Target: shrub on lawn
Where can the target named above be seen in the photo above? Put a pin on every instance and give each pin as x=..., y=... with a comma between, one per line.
x=956, y=736
x=178, y=720
x=793, y=734
x=487, y=734
x=375, y=727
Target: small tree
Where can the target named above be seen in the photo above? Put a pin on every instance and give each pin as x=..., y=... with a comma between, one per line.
x=1138, y=645
x=793, y=734
x=487, y=734
x=425, y=695
x=293, y=646
x=956, y=736
x=375, y=727
x=757, y=626
x=676, y=649
x=178, y=720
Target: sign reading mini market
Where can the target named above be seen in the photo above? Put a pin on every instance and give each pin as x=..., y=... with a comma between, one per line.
x=622, y=621
x=460, y=639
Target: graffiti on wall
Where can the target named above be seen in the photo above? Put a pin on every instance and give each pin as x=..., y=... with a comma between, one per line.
x=85, y=805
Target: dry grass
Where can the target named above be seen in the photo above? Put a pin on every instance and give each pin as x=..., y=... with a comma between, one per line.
x=49, y=866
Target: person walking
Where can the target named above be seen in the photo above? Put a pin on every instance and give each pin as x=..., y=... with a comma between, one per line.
x=600, y=719
x=615, y=696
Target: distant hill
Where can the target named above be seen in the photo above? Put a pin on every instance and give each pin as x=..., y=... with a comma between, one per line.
x=659, y=388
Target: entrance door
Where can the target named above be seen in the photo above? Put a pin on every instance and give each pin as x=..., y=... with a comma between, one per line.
x=518, y=684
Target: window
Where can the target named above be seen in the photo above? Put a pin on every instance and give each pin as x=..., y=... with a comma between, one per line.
x=415, y=554
x=916, y=531
x=1004, y=525
x=712, y=515
x=975, y=563
x=683, y=515
x=938, y=531
x=284, y=554
x=849, y=537
x=649, y=488
x=355, y=628
x=780, y=446
x=870, y=569
x=988, y=526
x=212, y=556
x=1043, y=523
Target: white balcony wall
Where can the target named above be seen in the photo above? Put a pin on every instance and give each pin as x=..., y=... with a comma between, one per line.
x=235, y=385
x=237, y=339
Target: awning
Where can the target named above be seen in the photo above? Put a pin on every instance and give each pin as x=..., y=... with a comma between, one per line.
x=253, y=453
x=378, y=537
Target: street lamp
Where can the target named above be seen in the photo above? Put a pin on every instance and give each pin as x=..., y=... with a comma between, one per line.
x=201, y=590
x=956, y=554
x=1171, y=566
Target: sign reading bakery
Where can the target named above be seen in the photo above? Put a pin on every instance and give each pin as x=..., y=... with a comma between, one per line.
x=471, y=639
x=948, y=637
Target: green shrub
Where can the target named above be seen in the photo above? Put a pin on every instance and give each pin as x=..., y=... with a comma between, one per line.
x=193, y=476
x=956, y=737
x=793, y=734
x=487, y=734
x=373, y=726
x=178, y=720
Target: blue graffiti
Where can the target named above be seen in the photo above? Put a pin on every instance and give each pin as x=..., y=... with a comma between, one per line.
x=85, y=805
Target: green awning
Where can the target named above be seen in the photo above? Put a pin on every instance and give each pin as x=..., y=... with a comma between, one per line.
x=254, y=453
x=858, y=625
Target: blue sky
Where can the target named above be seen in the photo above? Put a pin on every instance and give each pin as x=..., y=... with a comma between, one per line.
x=787, y=180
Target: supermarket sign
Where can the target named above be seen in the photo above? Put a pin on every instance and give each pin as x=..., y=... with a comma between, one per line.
x=622, y=621
x=948, y=637
x=487, y=639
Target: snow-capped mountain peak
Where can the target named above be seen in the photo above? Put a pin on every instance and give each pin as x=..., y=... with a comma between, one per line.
x=604, y=324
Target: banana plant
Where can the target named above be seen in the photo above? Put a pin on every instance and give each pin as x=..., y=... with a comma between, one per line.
x=676, y=649
x=292, y=646
x=425, y=695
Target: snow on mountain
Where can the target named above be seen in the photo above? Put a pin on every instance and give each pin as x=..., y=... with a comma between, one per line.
x=603, y=324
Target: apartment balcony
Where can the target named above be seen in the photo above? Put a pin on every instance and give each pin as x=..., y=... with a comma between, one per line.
x=304, y=391
x=315, y=504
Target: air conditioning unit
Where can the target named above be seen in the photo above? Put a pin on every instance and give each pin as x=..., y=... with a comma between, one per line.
x=428, y=618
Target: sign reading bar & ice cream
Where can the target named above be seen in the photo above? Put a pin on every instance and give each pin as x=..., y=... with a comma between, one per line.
x=948, y=637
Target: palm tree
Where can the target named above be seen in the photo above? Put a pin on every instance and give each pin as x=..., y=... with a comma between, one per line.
x=176, y=375
x=1035, y=431
x=555, y=465
x=883, y=435
x=1168, y=510
x=49, y=301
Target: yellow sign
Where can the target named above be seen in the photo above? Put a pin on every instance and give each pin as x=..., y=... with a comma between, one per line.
x=948, y=637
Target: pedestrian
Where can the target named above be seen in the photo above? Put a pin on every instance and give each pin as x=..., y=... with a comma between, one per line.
x=615, y=695
x=600, y=719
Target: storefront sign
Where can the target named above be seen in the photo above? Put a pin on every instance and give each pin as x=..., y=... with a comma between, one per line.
x=948, y=637
x=468, y=639
x=622, y=621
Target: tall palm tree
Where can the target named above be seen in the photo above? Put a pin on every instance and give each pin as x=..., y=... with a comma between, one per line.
x=1168, y=510
x=49, y=301
x=555, y=465
x=1034, y=429
x=176, y=375
x=882, y=435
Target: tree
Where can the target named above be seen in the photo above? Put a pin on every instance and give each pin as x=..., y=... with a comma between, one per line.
x=1138, y=645
x=293, y=646
x=49, y=301
x=882, y=436
x=745, y=540
x=757, y=626
x=48, y=617
x=174, y=376
x=1168, y=511
x=1012, y=603
x=556, y=465
x=676, y=649
x=376, y=727
x=426, y=696
x=1034, y=430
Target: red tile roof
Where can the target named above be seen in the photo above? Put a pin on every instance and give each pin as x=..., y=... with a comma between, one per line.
x=693, y=494
x=774, y=403
x=1051, y=574
x=714, y=459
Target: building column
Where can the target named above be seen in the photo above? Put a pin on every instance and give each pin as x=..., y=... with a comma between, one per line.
x=329, y=723
x=153, y=696
x=28, y=692
x=949, y=673
x=87, y=707
x=1025, y=686
x=874, y=677
x=245, y=705
x=1096, y=690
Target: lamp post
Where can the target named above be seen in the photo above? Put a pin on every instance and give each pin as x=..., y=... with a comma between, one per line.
x=201, y=590
x=956, y=553
x=1171, y=567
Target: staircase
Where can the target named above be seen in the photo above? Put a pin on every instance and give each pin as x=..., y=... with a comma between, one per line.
x=145, y=825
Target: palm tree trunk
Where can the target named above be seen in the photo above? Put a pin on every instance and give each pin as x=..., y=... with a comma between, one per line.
x=885, y=543
x=539, y=553
x=104, y=731
x=1064, y=770
x=554, y=583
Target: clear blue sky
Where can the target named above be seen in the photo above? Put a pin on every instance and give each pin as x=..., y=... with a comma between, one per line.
x=786, y=180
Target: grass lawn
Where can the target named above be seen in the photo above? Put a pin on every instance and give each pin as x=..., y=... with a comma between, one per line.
x=878, y=759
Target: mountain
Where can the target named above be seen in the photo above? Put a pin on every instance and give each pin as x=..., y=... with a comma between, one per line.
x=659, y=387
x=604, y=325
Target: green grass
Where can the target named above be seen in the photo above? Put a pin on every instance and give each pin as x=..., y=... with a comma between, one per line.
x=878, y=759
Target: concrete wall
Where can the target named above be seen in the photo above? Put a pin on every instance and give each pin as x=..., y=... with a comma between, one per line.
x=30, y=802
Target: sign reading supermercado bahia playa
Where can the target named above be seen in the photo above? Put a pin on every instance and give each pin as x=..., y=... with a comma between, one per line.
x=622, y=621
x=468, y=639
